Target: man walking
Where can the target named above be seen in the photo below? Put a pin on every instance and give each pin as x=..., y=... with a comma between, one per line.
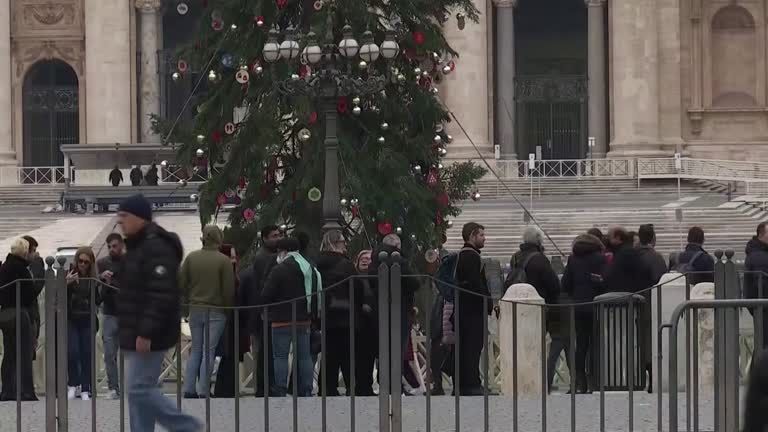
x=149, y=313
x=110, y=267
x=207, y=280
x=470, y=275
x=755, y=268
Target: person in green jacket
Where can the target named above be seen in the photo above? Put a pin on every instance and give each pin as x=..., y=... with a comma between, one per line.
x=207, y=284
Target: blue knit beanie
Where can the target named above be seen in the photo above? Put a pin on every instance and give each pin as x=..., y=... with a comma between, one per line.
x=138, y=206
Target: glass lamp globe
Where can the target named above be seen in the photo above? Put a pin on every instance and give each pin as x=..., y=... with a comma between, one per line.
x=289, y=49
x=390, y=48
x=312, y=52
x=369, y=51
x=348, y=46
x=271, y=48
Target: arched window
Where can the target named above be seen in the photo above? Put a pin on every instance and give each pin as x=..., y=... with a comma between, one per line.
x=734, y=60
x=51, y=116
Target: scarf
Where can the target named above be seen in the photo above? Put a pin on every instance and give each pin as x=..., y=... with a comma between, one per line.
x=306, y=269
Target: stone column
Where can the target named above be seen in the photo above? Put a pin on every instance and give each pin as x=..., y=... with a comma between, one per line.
x=635, y=78
x=596, y=76
x=149, y=85
x=465, y=91
x=526, y=336
x=108, y=71
x=505, y=77
x=6, y=132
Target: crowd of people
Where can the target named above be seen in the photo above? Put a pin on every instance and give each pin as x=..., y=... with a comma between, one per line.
x=144, y=289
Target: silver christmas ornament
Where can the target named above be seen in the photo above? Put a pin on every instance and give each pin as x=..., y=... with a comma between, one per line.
x=363, y=64
x=357, y=110
x=425, y=74
x=356, y=100
x=399, y=231
x=437, y=139
x=175, y=76
x=443, y=151
x=449, y=223
x=212, y=76
x=305, y=135
x=417, y=169
x=382, y=140
x=199, y=152
x=343, y=202
x=193, y=198
x=446, y=70
x=200, y=139
x=385, y=126
x=283, y=227
x=401, y=78
x=295, y=77
x=164, y=164
x=476, y=196
x=354, y=202
x=413, y=237
x=434, y=90
x=417, y=71
x=448, y=139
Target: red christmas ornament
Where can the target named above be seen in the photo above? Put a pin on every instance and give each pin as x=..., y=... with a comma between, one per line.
x=221, y=199
x=355, y=211
x=432, y=177
x=241, y=183
x=425, y=82
x=439, y=219
x=304, y=71
x=452, y=65
x=216, y=136
x=443, y=200
x=418, y=37
x=249, y=214
x=312, y=118
x=384, y=228
x=281, y=4
x=342, y=105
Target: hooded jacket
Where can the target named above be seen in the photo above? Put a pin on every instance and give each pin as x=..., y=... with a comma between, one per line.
x=756, y=262
x=583, y=276
x=149, y=302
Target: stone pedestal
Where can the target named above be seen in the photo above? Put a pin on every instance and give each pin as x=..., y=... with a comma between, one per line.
x=526, y=336
x=149, y=86
x=706, y=337
x=672, y=292
x=635, y=83
x=6, y=132
x=465, y=90
x=108, y=61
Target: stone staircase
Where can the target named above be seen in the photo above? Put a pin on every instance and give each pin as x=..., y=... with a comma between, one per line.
x=581, y=186
x=42, y=195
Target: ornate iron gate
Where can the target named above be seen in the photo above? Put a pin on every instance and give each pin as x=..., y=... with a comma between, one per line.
x=51, y=116
x=551, y=114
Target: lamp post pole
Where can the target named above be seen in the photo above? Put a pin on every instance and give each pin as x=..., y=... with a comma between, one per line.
x=331, y=194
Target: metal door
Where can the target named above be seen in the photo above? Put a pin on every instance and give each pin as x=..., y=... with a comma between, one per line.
x=51, y=116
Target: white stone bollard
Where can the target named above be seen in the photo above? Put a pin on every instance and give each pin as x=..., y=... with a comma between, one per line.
x=672, y=294
x=706, y=336
x=528, y=340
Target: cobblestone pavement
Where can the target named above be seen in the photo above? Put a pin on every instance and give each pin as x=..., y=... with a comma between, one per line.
x=366, y=412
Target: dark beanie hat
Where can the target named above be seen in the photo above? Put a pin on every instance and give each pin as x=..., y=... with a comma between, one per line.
x=138, y=206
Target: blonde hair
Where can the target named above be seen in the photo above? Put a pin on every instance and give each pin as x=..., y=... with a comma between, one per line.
x=20, y=248
x=330, y=239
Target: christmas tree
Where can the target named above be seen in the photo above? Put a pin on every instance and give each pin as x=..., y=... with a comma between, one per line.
x=291, y=83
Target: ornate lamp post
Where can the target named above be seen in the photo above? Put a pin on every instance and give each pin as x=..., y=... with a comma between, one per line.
x=330, y=80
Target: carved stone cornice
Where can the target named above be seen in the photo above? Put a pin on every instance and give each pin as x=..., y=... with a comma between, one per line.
x=505, y=3
x=595, y=3
x=29, y=53
x=148, y=6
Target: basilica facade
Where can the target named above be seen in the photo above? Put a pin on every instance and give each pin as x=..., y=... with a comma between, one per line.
x=562, y=79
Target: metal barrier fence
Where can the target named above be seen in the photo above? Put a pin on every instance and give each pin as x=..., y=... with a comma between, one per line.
x=523, y=401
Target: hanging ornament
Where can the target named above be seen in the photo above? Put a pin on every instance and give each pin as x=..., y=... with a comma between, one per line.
x=193, y=198
x=381, y=140
x=305, y=135
x=200, y=139
x=476, y=195
x=230, y=193
x=343, y=202
x=356, y=100
x=341, y=105
x=447, y=70
x=304, y=71
x=417, y=71
x=417, y=169
x=249, y=214
x=228, y=60
x=443, y=151
x=212, y=77
x=318, y=5
x=439, y=128
x=175, y=76
x=354, y=202
x=216, y=136
x=432, y=178
x=399, y=231
x=448, y=139
x=357, y=110
x=259, y=21
x=229, y=128
x=164, y=164
x=461, y=20
x=312, y=118
x=437, y=139
x=221, y=199
x=281, y=4
x=182, y=8
x=435, y=57
x=242, y=76
x=257, y=68
x=314, y=194
x=413, y=237
x=283, y=227
x=242, y=183
x=384, y=228
x=362, y=65
x=449, y=224
x=182, y=66
x=385, y=126
x=199, y=152
x=443, y=200
x=418, y=37
x=401, y=78
x=217, y=25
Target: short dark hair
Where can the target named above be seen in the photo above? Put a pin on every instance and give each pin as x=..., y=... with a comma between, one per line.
x=696, y=235
x=470, y=228
x=267, y=230
x=32, y=242
x=114, y=236
x=303, y=239
x=596, y=232
x=620, y=233
x=646, y=234
x=761, y=228
x=288, y=244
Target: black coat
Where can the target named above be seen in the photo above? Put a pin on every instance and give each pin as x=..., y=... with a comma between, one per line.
x=408, y=285
x=15, y=268
x=115, y=177
x=109, y=291
x=538, y=272
x=470, y=276
x=755, y=265
x=704, y=265
x=336, y=269
x=583, y=276
x=79, y=305
x=627, y=272
x=252, y=282
x=284, y=283
x=136, y=176
x=654, y=262
x=149, y=299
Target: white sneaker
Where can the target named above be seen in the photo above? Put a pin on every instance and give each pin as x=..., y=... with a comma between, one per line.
x=113, y=395
x=85, y=396
x=71, y=392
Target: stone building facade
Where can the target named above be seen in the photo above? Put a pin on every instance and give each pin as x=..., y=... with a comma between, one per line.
x=567, y=79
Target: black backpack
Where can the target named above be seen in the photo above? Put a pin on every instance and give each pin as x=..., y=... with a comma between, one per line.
x=517, y=274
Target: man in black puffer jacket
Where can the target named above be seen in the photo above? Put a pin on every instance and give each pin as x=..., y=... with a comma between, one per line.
x=149, y=315
x=755, y=271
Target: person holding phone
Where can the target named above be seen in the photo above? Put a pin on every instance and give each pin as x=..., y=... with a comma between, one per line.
x=110, y=267
x=81, y=281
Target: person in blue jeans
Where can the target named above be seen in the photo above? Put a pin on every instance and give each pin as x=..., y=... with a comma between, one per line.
x=149, y=315
x=207, y=281
x=110, y=268
x=80, y=284
x=293, y=278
